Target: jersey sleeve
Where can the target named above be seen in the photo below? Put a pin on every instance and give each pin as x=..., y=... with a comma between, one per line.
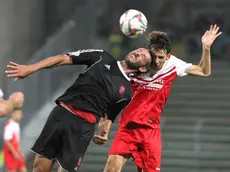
x=117, y=109
x=88, y=56
x=8, y=133
x=181, y=67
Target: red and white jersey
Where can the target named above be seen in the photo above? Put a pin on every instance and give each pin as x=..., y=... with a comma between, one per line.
x=12, y=134
x=151, y=93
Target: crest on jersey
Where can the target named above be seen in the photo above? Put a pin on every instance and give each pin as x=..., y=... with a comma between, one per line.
x=122, y=90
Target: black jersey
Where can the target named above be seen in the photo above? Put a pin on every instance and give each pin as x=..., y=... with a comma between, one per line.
x=103, y=88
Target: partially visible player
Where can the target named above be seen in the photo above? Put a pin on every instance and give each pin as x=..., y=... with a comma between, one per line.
x=103, y=89
x=13, y=158
x=139, y=133
x=15, y=101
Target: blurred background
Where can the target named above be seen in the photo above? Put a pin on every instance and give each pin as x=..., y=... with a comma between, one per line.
x=196, y=119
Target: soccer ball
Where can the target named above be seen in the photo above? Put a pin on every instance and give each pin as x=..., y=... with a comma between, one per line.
x=133, y=23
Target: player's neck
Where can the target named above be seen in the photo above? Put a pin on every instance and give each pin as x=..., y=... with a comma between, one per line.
x=14, y=120
x=126, y=69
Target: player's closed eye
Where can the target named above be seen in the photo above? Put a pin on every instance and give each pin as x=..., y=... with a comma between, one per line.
x=160, y=57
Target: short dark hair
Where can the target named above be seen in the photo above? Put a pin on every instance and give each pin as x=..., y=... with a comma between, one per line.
x=159, y=41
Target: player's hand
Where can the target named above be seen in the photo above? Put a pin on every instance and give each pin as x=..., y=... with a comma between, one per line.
x=100, y=140
x=17, y=99
x=210, y=35
x=16, y=156
x=18, y=71
x=104, y=127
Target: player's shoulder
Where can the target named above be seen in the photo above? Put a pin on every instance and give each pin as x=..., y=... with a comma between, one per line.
x=8, y=124
x=175, y=61
x=173, y=58
x=96, y=52
x=141, y=79
x=84, y=51
x=107, y=58
x=104, y=55
x=11, y=123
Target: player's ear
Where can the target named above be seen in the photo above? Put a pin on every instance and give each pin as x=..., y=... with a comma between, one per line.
x=143, y=69
x=168, y=56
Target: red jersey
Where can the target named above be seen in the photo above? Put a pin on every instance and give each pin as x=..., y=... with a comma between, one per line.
x=12, y=134
x=151, y=93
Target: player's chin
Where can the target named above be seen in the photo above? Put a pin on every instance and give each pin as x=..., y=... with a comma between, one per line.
x=158, y=67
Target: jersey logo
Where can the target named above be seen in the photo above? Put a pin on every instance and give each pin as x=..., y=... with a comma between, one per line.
x=122, y=90
x=107, y=66
x=154, y=85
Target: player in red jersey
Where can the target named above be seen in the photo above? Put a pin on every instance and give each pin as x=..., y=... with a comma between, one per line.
x=13, y=157
x=139, y=133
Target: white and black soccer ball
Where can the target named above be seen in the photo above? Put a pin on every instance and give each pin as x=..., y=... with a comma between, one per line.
x=133, y=23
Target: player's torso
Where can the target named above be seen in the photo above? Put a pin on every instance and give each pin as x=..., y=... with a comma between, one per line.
x=110, y=83
x=102, y=86
x=150, y=95
x=14, y=131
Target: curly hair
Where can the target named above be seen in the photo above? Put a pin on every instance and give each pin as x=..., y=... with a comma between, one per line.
x=159, y=41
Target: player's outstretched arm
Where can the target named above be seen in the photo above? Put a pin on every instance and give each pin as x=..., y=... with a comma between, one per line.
x=204, y=67
x=18, y=71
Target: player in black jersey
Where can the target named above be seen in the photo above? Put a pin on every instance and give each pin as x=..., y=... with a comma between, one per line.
x=102, y=90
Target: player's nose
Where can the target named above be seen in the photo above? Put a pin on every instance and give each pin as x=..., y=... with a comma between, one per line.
x=157, y=61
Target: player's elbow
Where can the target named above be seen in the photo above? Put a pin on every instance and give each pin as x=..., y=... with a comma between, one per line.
x=64, y=59
x=58, y=60
x=207, y=73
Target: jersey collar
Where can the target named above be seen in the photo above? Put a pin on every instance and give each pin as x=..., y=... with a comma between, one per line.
x=122, y=71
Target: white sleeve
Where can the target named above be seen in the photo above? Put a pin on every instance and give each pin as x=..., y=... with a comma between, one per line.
x=1, y=94
x=8, y=132
x=181, y=67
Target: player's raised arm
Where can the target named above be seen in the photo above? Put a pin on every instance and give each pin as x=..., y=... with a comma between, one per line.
x=81, y=57
x=21, y=71
x=204, y=67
